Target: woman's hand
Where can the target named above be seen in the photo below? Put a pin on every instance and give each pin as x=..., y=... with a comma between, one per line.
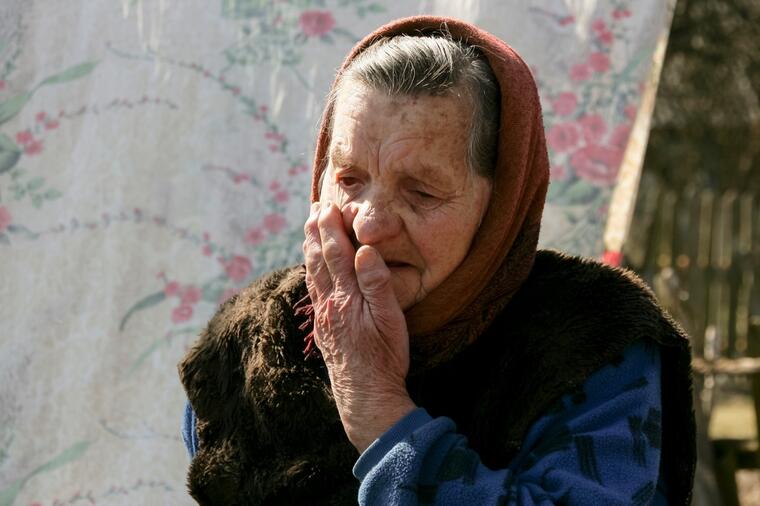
x=358, y=326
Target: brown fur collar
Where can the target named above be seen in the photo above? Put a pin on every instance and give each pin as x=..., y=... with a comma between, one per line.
x=269, y=431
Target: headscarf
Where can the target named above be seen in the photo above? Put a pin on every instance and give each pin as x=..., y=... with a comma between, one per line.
x=501, y=255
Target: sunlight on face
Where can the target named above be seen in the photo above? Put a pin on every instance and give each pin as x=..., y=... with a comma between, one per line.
x=397, y=170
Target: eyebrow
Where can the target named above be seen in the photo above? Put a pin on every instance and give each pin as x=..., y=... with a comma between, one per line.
x=339, y=157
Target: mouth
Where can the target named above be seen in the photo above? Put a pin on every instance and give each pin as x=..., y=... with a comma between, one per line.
x=393, y=264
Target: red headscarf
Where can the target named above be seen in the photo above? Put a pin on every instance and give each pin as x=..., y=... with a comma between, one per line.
x=501, y=255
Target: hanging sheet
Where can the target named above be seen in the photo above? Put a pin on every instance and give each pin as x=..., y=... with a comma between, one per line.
x=154, y=159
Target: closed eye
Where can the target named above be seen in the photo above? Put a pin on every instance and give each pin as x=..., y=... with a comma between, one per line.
x=425, y=195
x=423, y=199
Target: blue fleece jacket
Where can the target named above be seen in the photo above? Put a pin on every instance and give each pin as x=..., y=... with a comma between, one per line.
x=599, y=445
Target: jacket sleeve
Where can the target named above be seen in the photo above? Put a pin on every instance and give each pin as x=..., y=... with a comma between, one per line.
x=600, y=445
x=189, y=436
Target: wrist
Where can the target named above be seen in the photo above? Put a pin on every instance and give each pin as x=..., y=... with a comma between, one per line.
x=378, y=420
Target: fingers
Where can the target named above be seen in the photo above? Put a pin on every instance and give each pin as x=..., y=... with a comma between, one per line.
x=337, y=250
x=374, y=280
x=318, y=280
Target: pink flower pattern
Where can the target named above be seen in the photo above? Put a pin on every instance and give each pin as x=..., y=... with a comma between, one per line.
x=585, y=145
x=33, y=148
x=24, y=137
x=599, y=62
x=254, y=236
x=597, y=164
x=565, y=103
x=274, y=223
x=281, y=197
x=580, y=72
x=241, y=178
x=171, y=289
x=237, y=268
x=562, y=137
x=5, y=218
x=316, y=23
x=606, y=38
x=594, y=127
x=190, y=295
x=619, y=136
x=182, y=314
x=599, y=26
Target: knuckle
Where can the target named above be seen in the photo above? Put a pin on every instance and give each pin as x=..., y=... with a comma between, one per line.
x=312, y=254
x=331, y=250
x=310, y=226
x=322, y=219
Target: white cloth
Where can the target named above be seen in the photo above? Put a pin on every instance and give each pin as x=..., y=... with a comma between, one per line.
x=154, y=157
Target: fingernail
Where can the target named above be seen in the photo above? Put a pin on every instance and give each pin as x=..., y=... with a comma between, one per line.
x=314, y=207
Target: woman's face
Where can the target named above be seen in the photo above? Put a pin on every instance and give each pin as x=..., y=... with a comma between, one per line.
x=397, y=170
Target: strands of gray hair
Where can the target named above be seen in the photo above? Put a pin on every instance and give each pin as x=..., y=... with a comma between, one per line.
x=435, y=64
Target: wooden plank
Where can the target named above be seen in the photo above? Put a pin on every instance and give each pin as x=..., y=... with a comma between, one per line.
x=731, y=366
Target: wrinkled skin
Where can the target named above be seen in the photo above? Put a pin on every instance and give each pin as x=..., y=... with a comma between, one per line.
x=398, y=210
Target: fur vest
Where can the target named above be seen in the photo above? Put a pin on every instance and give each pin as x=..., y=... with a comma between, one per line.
x=269, y=431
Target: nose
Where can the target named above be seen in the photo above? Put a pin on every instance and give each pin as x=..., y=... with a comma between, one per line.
x=372, y=222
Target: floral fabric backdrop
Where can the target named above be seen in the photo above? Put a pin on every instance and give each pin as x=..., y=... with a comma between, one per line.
x=155, y=158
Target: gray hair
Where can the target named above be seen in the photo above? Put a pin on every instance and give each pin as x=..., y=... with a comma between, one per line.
x=434, y=65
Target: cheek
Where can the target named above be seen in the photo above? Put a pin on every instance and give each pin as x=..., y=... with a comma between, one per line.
x=443, y=245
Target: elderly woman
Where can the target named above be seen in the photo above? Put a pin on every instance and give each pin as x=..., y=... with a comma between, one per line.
x=426, y=352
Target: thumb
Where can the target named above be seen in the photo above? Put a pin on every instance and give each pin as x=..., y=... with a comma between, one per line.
x=374, y=279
